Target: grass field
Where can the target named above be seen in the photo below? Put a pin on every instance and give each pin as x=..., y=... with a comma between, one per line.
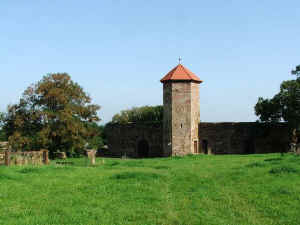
x=231, y=189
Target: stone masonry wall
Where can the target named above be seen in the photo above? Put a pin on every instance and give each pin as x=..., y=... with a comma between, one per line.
x=220, y=138
x=124, y=140
x=195, y=115
x=167, y=120
x=181, y=118
x=243, y=138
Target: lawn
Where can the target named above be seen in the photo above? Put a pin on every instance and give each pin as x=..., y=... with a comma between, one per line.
x=229, y=189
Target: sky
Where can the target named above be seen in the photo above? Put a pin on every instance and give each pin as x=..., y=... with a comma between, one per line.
x=118, y=50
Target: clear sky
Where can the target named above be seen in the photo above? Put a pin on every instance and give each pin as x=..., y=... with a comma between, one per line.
x=118, y=50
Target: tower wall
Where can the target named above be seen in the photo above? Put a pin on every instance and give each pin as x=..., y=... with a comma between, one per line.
x=181, y=118
x=167, y=119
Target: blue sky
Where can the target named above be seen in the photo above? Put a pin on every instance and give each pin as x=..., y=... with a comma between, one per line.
x=118, y=50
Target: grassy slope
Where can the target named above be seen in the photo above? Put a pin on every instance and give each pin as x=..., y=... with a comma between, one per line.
x=256, y=189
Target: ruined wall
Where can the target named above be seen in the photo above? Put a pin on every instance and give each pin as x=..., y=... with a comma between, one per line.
x=215, y=138
x=25, y=158
x=243, y=138
x=130, y=140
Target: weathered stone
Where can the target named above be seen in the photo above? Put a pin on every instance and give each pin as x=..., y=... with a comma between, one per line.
x=24, y=158
x=214, y=138
x=181, y=118
x=60, y=155
x=92, y=156
x=133, y=139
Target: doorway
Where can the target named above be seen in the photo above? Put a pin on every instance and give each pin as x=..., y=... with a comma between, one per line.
x=196, y=147
x=205, y=146
x=143, y=149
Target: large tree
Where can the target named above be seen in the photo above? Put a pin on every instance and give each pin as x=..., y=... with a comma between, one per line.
x=284, y=106
x=55, y=113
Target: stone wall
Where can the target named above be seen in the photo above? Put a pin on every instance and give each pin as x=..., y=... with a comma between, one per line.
x=4, y=146
x=243, y=138
x=135, y=140
x=214, y=138
x=167, y=119
x=25, y=158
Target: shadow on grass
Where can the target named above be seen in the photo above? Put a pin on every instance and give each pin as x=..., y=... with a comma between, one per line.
x=161, y=167
x=7, y=177
x=134, y=163
x=283, y=170
x=28, y=170
x=111, y=164
x=255, y=164
x=273, y=159
x=141, y=176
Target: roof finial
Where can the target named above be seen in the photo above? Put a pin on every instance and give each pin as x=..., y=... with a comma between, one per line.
x=180, y=59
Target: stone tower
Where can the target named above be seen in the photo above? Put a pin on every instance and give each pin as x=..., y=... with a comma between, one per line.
x=181, y=112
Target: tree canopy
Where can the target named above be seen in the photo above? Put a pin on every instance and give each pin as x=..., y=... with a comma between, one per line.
x=284, y=106
x=139, y=114
x=2, y=132
x=296, y=71
x=55, y=113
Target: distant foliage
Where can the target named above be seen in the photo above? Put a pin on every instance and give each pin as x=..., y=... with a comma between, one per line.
x=2, y=132
x=284, y=106
x=54, y=114
x=139, y=114
x=2, y=135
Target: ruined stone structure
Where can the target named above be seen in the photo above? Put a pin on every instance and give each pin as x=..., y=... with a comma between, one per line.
x=214, y=138
x=243, y=138
x=180, y=133
x=23, y=158
x=135, y=140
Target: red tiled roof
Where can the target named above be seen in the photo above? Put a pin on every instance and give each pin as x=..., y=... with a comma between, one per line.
x=180, y=73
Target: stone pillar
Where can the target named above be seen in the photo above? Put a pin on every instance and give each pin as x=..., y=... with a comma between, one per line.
x=7, y=158
x=92, y=156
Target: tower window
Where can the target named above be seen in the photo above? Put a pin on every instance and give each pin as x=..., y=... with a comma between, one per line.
x=180, y=125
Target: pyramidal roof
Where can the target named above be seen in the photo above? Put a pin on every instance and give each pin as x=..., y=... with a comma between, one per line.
x=180, y=73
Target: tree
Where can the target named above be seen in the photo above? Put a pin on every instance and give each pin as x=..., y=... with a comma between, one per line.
x=284, y=106
x=97, y=139
x=296, y=71
x=1, y=119
x=54, y=114
x=2, y=133
x=140, y=114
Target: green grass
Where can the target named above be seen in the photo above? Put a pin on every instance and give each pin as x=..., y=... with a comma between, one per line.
x=230, y=189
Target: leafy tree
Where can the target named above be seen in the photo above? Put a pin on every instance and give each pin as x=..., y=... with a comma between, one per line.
x=284, y=106
x=139, y=114
x=2, y=132
x=1, y=119
x=97, y=138
x=54, y=114
x=296, y=71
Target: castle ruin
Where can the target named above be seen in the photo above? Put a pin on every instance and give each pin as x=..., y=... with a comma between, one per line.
x=181, y=132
